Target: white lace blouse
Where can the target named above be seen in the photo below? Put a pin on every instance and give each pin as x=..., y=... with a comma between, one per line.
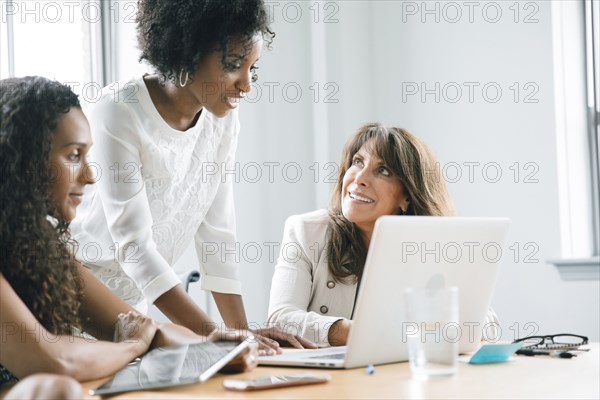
x=158, y=189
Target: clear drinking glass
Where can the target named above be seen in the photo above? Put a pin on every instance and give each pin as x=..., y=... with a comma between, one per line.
x=432, y=330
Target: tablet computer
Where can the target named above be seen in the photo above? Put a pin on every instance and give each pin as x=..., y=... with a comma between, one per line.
x=172, y=366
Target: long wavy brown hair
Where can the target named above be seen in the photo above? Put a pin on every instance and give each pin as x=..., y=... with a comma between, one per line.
x=35, y=257
x=413, y=163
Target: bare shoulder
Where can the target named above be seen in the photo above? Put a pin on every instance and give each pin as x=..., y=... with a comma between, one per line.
x=6, y=290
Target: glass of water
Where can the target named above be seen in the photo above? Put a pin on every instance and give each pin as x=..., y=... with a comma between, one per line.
x=432, y=330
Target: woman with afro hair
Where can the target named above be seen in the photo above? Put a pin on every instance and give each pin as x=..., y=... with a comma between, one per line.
x=163, y=145
x=47, y=298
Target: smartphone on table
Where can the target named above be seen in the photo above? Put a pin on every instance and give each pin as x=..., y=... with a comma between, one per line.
x=270, y=382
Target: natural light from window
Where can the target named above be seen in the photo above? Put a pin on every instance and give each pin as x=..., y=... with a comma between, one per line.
x=50, y=39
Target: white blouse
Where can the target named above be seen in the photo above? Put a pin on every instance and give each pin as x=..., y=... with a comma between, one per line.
x=157, y=190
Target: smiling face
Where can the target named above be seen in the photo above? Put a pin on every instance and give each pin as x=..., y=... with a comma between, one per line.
x=68, y=164
x=370, y=190
x=219, y=87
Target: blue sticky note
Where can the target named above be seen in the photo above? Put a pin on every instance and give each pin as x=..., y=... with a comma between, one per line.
x=494, y=353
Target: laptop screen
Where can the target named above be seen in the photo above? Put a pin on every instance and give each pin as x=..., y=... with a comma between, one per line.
x=172, y=366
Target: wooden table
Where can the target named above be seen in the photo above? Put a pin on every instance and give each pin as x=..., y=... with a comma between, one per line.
x=539, y=377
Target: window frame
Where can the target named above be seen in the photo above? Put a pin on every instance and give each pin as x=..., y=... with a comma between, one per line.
x=100, y=36
x=577, y=98
x=592, y=22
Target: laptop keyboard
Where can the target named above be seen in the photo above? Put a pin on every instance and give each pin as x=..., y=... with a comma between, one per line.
x=337, y=356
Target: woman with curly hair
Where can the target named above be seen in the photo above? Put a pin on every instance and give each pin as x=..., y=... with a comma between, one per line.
x=47, y=298
x=383, y=171
x=164, y=143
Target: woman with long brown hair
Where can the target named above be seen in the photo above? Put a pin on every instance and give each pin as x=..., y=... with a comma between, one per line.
x=383, y=171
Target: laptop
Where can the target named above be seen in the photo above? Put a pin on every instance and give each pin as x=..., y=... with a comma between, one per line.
x=414, y=252
x=172, y=366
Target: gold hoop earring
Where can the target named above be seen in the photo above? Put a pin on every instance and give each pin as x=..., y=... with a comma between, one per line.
x=187, y=77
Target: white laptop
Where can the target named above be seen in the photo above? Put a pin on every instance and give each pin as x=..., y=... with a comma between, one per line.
x=414, y=252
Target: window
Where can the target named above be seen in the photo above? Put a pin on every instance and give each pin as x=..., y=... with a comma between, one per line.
x=54, y=39
x=575, y=33
x=593, y=91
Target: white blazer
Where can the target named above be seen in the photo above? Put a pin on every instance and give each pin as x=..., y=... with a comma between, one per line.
x=305, y=299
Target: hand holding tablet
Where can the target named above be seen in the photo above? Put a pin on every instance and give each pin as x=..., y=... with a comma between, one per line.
x=173, y=366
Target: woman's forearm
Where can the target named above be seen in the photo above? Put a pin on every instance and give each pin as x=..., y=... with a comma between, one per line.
x=84, y=359
x=175, y=335
x=27, y=347
x=81, y=358
x=231, y=308
x=181, y=309
x=338, y=332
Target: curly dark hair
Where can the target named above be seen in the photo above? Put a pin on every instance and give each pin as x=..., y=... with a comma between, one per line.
x=35, y=256
x=177, y=34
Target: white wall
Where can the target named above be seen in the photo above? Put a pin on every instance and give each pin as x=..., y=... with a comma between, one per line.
x=375, y=52
x=505, y=132
x=374, y=57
